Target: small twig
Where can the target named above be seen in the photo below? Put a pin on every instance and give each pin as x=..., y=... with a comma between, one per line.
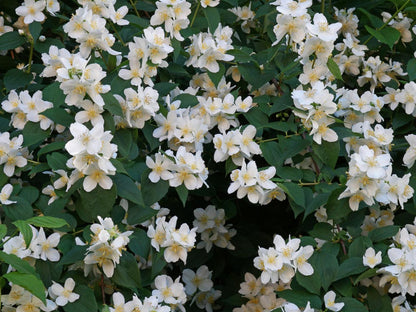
x=102, y=288
x=117, y=34
x=196, y=11
x=134, y=8
x=341, y=241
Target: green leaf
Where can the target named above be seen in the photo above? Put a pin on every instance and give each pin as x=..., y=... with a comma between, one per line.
x=153, y=192
x=353, y=305
x=183, y=193
x=48, y=222
x=85, y=303
x=241, y=54
x=54, y=94
x=350, y=266
x=98, y=202
x=33, y=134
x=29, y=282
x=3, y=231
x=337, y=209
x=377, y=302
x=138, y=214
x=35, y=29
x=16, y=78
x=111, y=104
x=77, y=253
x=322, y=230
x=256, y=117
x=11, y=40
x=56, y=161
x=59, y=115
x=301, y=298
x=295, y=192
x=54, y=146
x=20, y=265
x=127, y=272
x=124, y=140
x=328, y=152
x=187, y=100
x=387, y=35
x=276, y=153
x=127, y=189
x=367, y=274
x=216, y=77
x=140, y=243
x=29, y=193
x=334, y=68
x=358, y=246
x=26, y=231
x=213, y=18
x=382, y=233
x=22, y=209
x=411, y=69
x=315, y=203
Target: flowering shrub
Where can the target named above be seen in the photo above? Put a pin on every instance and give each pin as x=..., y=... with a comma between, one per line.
x=207, y=155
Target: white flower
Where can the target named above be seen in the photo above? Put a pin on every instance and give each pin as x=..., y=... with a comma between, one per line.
x=5, y=194
x=322, y=30
x=32, y=11
x=43, y=247
x=330, y=304
x=370, y=257
x=64, y=294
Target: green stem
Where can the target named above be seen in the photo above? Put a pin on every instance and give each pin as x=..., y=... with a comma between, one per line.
x=29, y=68
x=322, y=6
x=388, y=21
x=134, y=8
x=117, y=34
x=196, y=11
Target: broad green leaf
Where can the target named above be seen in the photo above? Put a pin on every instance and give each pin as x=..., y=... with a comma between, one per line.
x=85, y=303
x=337, y=209
x=387, y=35
x=11, y=40
x=153, y=192
x=378, y=303
x=183, y=193
x=21, y=210
x=25, y=229
x=127, y=189
x=77, y=253
x=301, y=298
x=187, y=100
x=16, y=78
x=383, y=233
x=350, y=266
x=213, y=18
x=328, y=152
x=295, y=192
x=20, y=265
x=411, y=69
x=54, y=94
x=30, y=193
x=334, y=68
x=111, y=104
x=140, y=213
x=35, y=29
x=98, y=202
x=352, y=305
x=33, y=134
x=29, y=282
x=54, y=146
x=140, y=243
x=322, y=230
x=127, y=272
x=56, y=160
x=59, y=115
x=124, y=140
x=367, y=274
x=216, y=77
x=241, y=55
x=48, y=222
x=3, y=231
x=256, y=117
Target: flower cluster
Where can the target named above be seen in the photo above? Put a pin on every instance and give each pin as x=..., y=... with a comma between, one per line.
x=207, y=49
x=254, y=184
x=183, y=168
x=400, y=275
x=63, y=294
x=174, y=14
x=138, y=106
x=146, y=54
x=246, y=15
x=177, y=242
x=280, y=263
x=12, y=154
x=88, y=29
x=106, y=246
x=24, y=108
x=20, y=299
x=32, y=10
x=210, y=222
x=91, y=151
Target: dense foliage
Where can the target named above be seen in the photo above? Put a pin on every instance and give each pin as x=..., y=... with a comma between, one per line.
x=206, y=155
